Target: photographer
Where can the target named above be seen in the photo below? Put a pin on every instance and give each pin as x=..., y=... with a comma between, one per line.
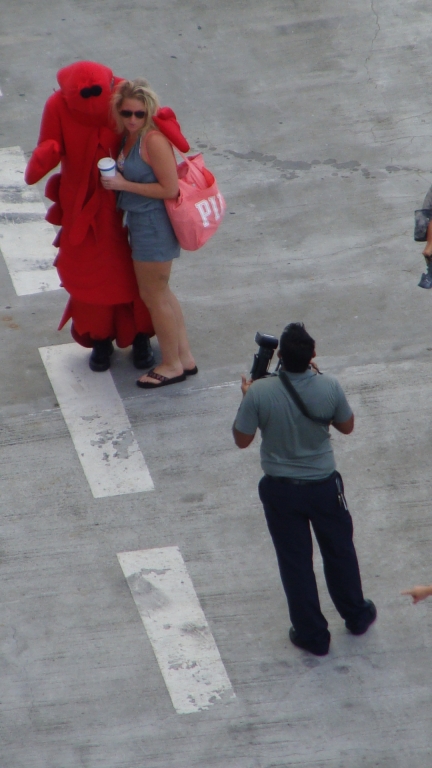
x=301, y=487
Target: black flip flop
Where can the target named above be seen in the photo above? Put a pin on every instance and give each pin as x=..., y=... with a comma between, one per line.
x=164, y=380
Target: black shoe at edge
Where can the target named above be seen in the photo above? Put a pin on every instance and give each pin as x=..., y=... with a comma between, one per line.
x=425, y=280
x=99, y=360
x=323, y=651
x=360, y=627
x=142, y=353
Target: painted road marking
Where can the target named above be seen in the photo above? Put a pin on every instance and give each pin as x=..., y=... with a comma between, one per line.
x=177, y=628
x=100, y=429
x=25, y=239
x=28, y=253
x=15, y=195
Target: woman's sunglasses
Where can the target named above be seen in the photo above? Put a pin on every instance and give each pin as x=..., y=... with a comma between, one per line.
x=128, y=113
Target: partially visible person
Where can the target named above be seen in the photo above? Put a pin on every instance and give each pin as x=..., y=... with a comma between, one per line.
x=301, y=487
x=146, y=176
x=426, y=278
x=93, y=261
x=418, y=593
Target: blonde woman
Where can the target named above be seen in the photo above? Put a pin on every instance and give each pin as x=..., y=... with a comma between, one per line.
x=147, y=176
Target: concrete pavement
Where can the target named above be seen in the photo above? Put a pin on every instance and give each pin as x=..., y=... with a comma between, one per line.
x=314, y=117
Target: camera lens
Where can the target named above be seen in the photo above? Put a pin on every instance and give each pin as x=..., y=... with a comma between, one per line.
x=267, y=341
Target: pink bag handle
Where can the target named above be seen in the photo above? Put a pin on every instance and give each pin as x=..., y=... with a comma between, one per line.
x=197, y=175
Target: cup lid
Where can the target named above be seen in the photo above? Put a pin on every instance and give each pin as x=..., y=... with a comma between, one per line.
x=105, y=163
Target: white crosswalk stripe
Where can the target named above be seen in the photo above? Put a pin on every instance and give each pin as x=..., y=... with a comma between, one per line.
x=177, y=628
x=25, y=238
x=97, y=421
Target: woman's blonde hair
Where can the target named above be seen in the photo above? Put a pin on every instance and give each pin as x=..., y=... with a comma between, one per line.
x=134, y=89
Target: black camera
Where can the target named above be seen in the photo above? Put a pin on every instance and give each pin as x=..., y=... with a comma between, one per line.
x=262, y=359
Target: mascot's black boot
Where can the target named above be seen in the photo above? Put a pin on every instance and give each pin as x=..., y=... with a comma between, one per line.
x=142, y=352
x=426, y=278
x=100, y=357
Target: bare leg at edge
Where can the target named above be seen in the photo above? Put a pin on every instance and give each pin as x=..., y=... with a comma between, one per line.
x=167, y=318
x=427, y=251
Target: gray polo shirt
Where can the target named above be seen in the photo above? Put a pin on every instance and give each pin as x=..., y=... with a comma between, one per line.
x=293, y=445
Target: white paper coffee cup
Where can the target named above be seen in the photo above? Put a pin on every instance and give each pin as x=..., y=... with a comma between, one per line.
x=107, y=166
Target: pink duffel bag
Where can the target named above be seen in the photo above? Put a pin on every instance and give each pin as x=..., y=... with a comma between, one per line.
x=198, y=210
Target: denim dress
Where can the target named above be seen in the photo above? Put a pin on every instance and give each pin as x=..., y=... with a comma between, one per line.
x=151, y=235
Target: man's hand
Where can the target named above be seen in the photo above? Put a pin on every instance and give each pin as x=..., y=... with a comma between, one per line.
x=241, y=439
x=246, y=383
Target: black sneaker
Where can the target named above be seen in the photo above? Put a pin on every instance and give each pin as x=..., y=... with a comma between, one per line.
x=317, y=651
x=100, y=357
x=360, y=627
x=142, y=353
x=425, y=280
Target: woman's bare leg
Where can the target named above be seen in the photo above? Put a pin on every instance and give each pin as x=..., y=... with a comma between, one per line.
x=184, y=350
x=167, y=318
x=427, y=251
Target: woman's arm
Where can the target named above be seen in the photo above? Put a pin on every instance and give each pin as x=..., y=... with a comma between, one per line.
x=163, y=163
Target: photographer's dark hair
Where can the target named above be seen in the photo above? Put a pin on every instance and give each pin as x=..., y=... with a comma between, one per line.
x=296, y=348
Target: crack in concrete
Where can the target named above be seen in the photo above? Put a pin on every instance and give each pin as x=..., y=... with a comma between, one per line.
x=301, y=166
x=298, y=167
x=369, y=56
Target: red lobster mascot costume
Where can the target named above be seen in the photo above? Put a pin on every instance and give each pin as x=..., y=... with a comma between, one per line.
x=94, y=259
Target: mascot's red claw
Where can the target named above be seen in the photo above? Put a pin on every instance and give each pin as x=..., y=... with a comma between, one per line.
x=45, y=157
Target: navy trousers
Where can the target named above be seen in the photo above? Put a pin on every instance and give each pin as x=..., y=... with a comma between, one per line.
x=290, y=509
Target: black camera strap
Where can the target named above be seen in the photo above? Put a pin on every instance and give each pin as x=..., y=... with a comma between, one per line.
x=298, y=401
